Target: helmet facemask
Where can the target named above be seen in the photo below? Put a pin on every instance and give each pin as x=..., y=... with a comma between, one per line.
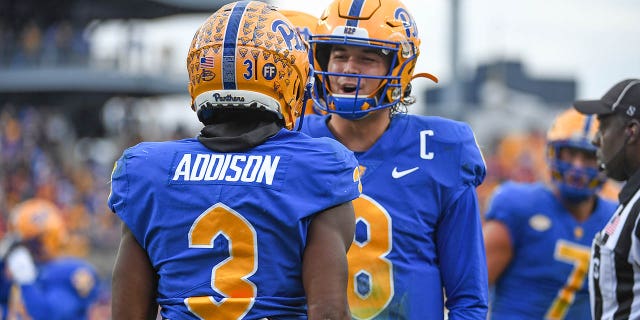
x=357, y=105
x=574, y=183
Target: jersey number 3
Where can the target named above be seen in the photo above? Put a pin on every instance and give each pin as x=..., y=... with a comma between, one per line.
x=229, y=277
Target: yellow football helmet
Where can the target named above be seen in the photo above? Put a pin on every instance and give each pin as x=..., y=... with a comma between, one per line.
x=572, y=129
x=385, y=26
x=38, y=224
x=246, y=56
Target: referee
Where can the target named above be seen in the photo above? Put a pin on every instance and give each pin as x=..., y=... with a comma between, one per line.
x=614, y=274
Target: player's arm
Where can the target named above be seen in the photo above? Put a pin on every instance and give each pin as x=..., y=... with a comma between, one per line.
x=498, y=247
x=324, y=265
x=463, y=262
x=134, y=281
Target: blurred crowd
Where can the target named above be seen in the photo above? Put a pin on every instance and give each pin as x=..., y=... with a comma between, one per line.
x=37, y=45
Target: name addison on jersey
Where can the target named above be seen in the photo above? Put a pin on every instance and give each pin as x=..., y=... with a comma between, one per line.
x=227, y=167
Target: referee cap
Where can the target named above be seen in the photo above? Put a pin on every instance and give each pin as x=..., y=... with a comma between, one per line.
x=623, y=97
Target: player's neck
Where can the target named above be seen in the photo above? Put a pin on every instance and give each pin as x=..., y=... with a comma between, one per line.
x=581, y=211
x=360, y=135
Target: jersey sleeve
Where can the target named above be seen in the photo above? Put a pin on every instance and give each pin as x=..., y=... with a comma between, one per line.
x=123, y=189
x=472, y=166
x=119, y=185
x=460, y=235
x=329, y=177
x=501, y=208
x=346, y=183
x=458, y=162
x=460, y=232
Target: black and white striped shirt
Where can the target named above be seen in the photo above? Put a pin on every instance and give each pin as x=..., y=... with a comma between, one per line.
x=614, y=274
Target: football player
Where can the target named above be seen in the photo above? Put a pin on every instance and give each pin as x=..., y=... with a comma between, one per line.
x=538, y=235
x=241, y=222
x=418, y=231
x=45, y=285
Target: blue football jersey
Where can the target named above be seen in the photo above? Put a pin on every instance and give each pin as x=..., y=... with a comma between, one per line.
x=65, y=288
x=226, y=232
x=551, y=250
x=417, y=222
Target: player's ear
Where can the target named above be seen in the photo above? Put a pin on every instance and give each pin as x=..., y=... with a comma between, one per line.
x=632, y=131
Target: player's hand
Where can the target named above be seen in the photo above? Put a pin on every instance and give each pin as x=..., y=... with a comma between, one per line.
x=21, y=266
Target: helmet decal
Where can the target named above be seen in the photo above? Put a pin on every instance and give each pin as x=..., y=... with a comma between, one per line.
x=411, y=27
x=288, y=34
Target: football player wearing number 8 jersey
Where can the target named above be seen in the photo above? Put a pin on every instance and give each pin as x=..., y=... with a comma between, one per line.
x=418, y=230
x=538, y=235
x=242, y=222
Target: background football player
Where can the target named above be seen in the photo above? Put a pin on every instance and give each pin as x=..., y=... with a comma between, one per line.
x=418, y=227
x=538, y=235
x=242, y=222
x=44, y=284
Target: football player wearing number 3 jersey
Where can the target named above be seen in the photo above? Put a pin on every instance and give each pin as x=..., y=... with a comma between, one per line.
x=538, y=235
x=418, y=231
x=242, y=222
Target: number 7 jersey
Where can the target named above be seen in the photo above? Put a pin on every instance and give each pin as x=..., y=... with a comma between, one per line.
x=551, y=252
x=226, y=232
